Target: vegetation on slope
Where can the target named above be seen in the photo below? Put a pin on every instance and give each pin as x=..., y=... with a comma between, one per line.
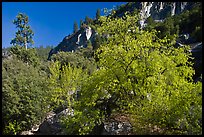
x=135, y=72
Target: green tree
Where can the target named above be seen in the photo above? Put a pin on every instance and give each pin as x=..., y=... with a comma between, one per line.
x=88, y=51
x=43, y=52
x=197, y=33
x=98, y=14
x=96, y=42
x=75, y=27
x=64, y=82
x=150, y=23
x=76, y=59
x=142, y=75
x=88, y=20
x=177, y=30
x=141, y=56
x=28, y=56
x=24, y=35
x=81, y=23
x=25, y=96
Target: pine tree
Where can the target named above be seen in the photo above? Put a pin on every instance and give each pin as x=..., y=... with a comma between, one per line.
x=98, y=14
x=81, y=23
x=75, y=27
x=88, y=20
x=24, y=35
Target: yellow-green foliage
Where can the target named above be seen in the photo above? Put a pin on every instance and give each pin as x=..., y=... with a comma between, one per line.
x=76, y=59
x=144, y=76
x=63, y=80
x=158, y=74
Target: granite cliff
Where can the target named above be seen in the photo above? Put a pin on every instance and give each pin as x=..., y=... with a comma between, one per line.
x=157, y=10
x=75, y=41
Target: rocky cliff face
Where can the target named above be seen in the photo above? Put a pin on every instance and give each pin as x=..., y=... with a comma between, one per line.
x=77, y=40
x=160, y=10
x=157, y=10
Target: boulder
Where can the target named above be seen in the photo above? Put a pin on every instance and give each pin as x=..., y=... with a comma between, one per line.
x=116, y=124
x=27, y=133
x=51, y=125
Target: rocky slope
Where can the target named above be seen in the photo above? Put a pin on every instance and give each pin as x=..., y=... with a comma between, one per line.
x=115, y=125
x=157, y=10
x=160, y=10
x=76, y=40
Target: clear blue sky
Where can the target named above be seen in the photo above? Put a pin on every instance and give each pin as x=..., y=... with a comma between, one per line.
x=50, y=21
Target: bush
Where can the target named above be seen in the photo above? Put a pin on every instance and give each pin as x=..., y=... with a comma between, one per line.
x=24, y=95
x=26, y=55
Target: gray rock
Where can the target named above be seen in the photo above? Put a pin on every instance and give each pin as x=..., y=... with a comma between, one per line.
x=51, y=125
x=27, y=133
x=119, y=125
x=75, y=41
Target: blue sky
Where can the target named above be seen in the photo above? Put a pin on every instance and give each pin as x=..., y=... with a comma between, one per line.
x=50, y=21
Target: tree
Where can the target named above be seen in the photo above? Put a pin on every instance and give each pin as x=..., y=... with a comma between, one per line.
x=88, y=51
x=142, y=75
x=25, y=96
x=98, y=14
x=134, y=65
x=75, y=27
x=88, y=20
x=43, y=52
x=177, y=30
x=24, y=35
x=64, y=82
x=76, y=59
x=28, y=56
x=96, y=42
x=81, y=23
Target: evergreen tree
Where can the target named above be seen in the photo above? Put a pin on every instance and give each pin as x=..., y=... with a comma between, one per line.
x=81, y=23
x=75, y=27
x=96, y=42
x=28, y=56
x=42, y=52
x=88, y=51
x=88, y=20
x=98, y=14
x=24, y=35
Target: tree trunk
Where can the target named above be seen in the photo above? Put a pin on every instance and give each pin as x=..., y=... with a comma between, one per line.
x=25, y=43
